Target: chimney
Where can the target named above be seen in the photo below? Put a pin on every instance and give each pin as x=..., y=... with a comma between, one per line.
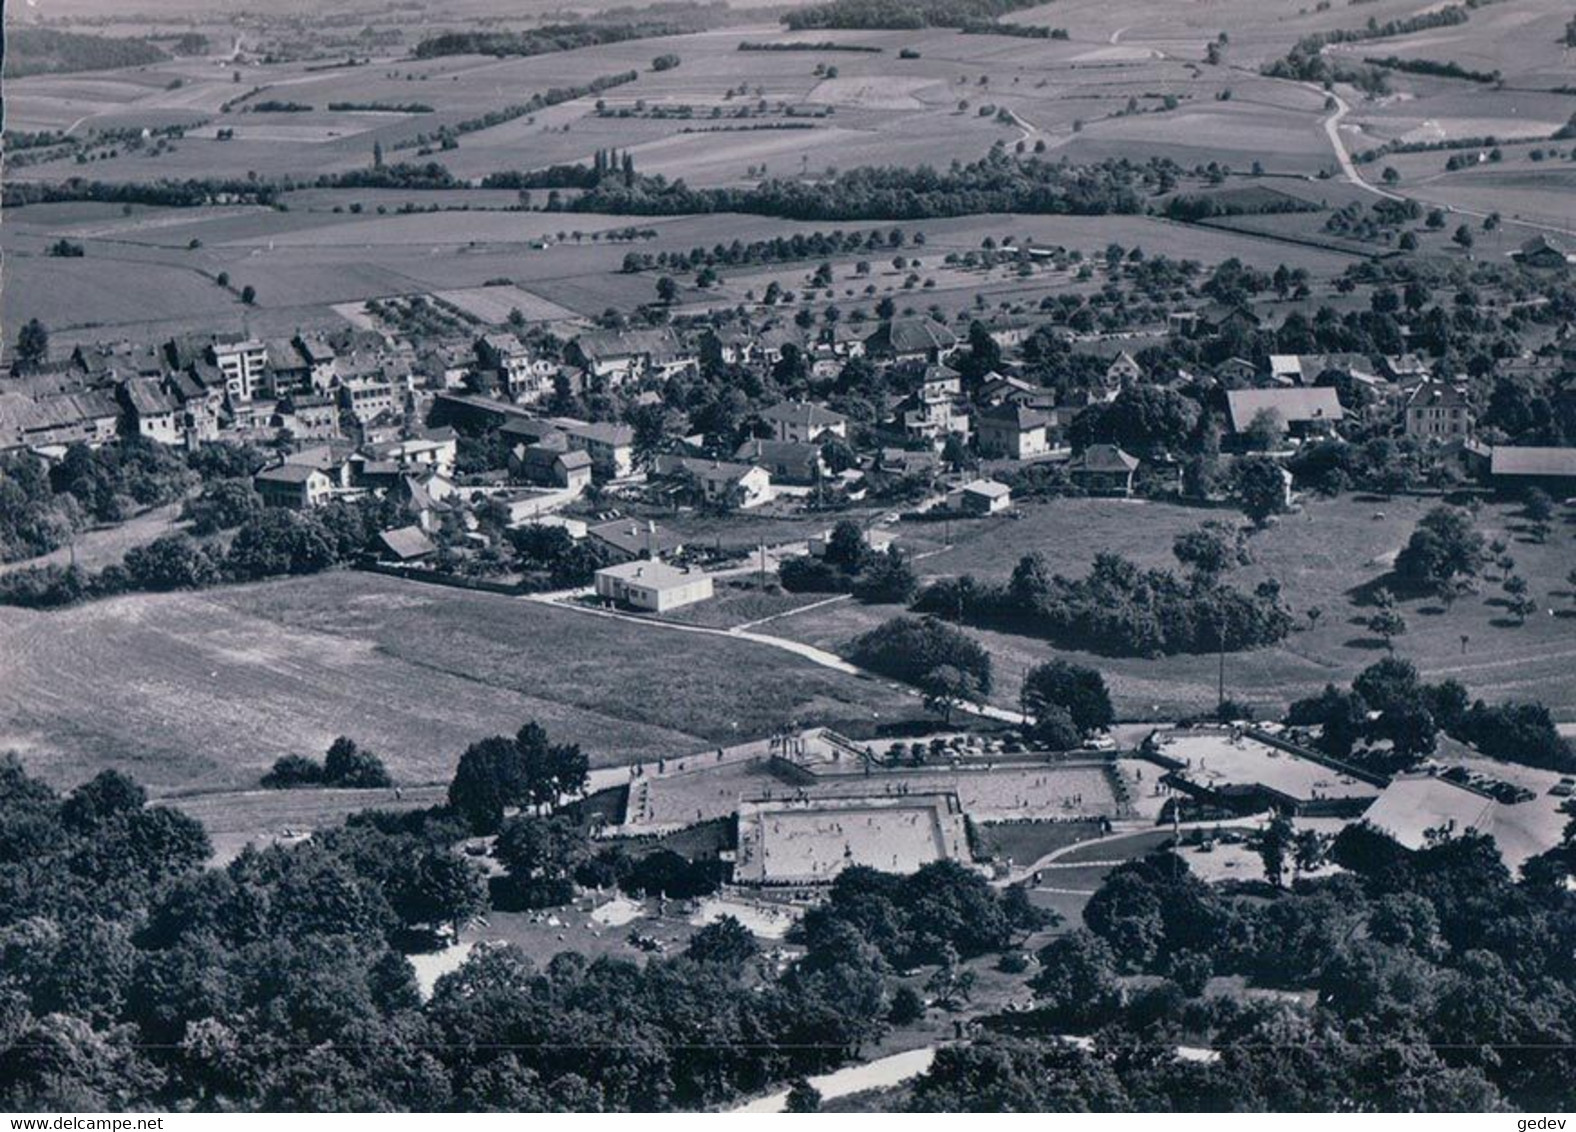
x=651, y=538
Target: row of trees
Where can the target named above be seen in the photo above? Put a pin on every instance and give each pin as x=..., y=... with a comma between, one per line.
x=272, y=542
x=1117, y=608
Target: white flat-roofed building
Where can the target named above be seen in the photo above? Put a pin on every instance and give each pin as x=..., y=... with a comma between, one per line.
x=652, y=586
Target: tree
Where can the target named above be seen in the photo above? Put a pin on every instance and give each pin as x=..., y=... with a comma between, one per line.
x=1538, y=506
x=32, y=346
x=486, y=780
x=803, y=1097
x=1276, y=844
x=443, y=889
x=946, y=688
x=1211, y=550
x=1264, y=431
x=725, y=941
x=1258, y=485
x=887, y=578
x=845, y=547
x=1076, y=982
x=1464, y=237
x=1386, y=621
x=349, y=767
x=541, y=854
x=104, y=798
x=1080, y=692
x=248, y=294
x=667, y=290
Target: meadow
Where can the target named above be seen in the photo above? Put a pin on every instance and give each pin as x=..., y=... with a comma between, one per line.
x=1325, y=557
x=203, y=691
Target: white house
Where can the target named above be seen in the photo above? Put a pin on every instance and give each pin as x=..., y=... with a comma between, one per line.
x=652, y=586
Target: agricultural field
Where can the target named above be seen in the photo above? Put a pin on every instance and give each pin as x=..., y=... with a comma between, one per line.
x=202, y=692
x=1325, y=557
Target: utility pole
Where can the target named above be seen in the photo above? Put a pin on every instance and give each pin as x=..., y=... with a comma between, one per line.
x=1220, y=698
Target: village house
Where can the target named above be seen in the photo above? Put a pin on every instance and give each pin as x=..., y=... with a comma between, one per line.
x=551, y=464
x=654, y=587
x=719, y=483
x=936, y=410
x=1013, y=432
x=434, y=448
x=610, y=446
x=625, y=540
x=980, y=497
x=804, y=422
x=520, y=375
x=1438, y=411
x=367, y=397
x=1123, y=371
x=787, y=461
x=298, y=487
x=91, y=418
x=1104, y=469
x=151, y=413
x=287, y=371
x=617, y=356
x=311, y=416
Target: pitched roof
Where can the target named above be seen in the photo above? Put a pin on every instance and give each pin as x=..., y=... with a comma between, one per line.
x=1010, y=415
x=1438, y=395
x=631, y=536
x=912, y=336
x=288, y=473
x=407, y=542
x=1532, y=461
x=147, y=399
x=804, y=414
x=1318, y=403
x=1104, y=458
x=617, y=435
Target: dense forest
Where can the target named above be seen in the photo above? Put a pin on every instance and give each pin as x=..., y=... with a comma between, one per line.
x=45, y=51
x=135, y=977
x=1439, y=984
x=897, y=14
x=998, y=182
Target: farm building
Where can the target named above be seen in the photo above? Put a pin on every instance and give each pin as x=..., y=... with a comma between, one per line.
x=918, y=339
x=90, y=418
x=652, y=586
x=1552, y=469
x=405, y=545
x=1302, y=412
x=1545, y=252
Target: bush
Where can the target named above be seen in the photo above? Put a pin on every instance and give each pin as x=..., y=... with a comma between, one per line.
x=911, y=648
x=294, y=771
x=349, y=767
